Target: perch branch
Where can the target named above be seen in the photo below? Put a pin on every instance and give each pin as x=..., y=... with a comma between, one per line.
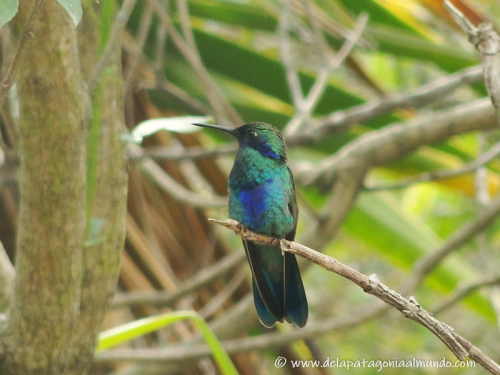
x=371, y=285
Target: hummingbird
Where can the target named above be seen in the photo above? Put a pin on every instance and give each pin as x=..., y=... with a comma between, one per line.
x=262, y=198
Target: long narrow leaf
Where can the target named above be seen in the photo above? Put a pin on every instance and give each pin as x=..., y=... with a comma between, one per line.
x=129, y=331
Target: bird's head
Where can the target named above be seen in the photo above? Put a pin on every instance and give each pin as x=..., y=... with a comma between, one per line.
x=260, y=136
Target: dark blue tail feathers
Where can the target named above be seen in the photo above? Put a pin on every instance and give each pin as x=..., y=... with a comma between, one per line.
x=296, y=309
x=277, y=286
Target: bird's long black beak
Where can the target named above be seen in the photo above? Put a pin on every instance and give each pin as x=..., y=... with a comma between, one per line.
x=231, y=131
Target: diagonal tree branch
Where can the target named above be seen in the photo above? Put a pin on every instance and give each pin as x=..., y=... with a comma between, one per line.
x=171, y=186
x=429, y=262
x=423, y=95
x=464, y=290
x=371, y=285
x=164, y=298
x=344, y=172
x=442, y=174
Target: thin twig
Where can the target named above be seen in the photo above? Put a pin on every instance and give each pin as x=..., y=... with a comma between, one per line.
x=326, y=22
x=141, y=40
x=223, y=296
x=317, y=90
x=319, y=40
x=292, y=77
x=429, y=262
x=161, y=37
x=26, y=36
x=187, y=352
x=341, y=120
x=344, y=172
x=165, y=298
x=441, y=175
x=320, y=84
x=487, y=42
x=183, y=10
x=371, y=285
x=171, y=186
x=162, y=84
x=465, y=290
x=192, y=153
x=222, y=107
x=109, y=51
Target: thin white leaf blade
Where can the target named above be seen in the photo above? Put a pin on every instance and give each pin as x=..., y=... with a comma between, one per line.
x=74, y=9
x=182, y=124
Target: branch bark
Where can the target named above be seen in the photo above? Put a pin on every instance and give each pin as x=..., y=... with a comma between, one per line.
x=345, y=171
x=106, y=192
x=370, y=284
x=66, y=269
x=470, y=167
x=487, y=42
x=339, y=121
x=165, y=298
x=409, y=307
x=52, y=198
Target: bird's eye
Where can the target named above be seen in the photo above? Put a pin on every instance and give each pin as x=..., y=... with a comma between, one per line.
x=253, y=133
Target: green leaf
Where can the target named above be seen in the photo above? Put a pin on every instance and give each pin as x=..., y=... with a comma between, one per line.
x=400, y=43
x=129, y=331
x=8, y=9
x=379, y=221
x=173, y=124
x=74, y=9
x=240, y=14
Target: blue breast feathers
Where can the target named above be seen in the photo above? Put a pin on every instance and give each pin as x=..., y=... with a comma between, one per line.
x=254, y=202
